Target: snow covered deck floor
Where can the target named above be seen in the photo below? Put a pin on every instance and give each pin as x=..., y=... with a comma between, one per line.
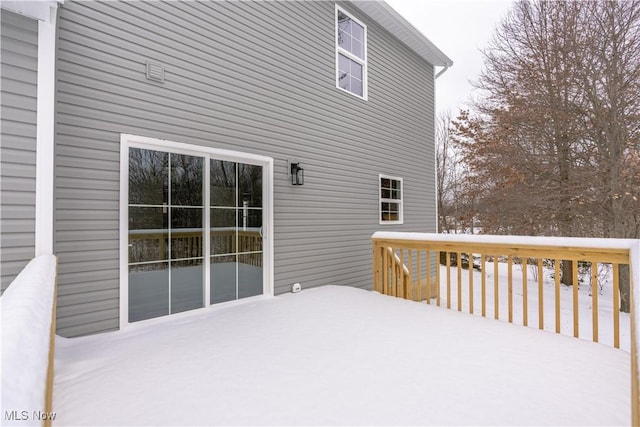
x=338, y=356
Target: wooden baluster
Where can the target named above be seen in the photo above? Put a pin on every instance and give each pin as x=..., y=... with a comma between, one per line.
x=402, y=292
x=374, y=264
x=401, y=278
x=413, y=274
x=437, y=276
x=428, y=275
x=576, y=324
x=483, y=284
x=540, y=295
x=459, y=277
x=525, y=308
x=556, y=279
x=510, y=287
x=616, y=305
x=394, y=270
x=594, y=300
x=470, y=283
x=448, y=263
x=496, y=300
x=385, y=271
x=419, y=276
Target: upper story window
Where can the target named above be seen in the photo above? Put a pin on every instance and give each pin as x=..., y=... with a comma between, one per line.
x=351, y=54
x=390, y=200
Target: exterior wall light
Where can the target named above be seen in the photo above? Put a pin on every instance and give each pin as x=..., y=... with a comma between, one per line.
x=297, y=174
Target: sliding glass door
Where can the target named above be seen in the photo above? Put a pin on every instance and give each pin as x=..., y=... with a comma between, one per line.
x=179, y=215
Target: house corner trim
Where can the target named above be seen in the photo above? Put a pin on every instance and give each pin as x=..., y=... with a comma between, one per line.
x=45, y=134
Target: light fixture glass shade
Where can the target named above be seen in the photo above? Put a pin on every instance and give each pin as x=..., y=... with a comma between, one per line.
x=297, y=174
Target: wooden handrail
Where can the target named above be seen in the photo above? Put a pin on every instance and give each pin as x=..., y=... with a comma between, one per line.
x=48, y=399
x=415, y=247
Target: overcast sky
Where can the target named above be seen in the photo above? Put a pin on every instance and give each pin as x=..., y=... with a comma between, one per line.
x=460, y=28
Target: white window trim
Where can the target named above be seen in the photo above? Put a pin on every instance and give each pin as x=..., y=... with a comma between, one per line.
x=128, y=141
x=363, y=62
x=399, y=201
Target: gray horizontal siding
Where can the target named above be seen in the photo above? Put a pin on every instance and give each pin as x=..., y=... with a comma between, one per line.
x=257, y=77
x=18, y=82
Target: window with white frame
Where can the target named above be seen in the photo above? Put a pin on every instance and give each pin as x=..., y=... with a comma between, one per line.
x=351, y=54
x=390, y=200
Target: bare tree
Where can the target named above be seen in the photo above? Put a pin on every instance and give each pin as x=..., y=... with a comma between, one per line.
x=450, y=171
x=552, y=147
x=609, y=79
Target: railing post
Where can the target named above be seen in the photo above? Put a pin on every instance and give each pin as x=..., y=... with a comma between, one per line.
x=634, y=286
x=635, y=394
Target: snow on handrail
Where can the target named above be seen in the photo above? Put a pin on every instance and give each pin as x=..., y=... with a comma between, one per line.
x=577, y=242
x=28, y=333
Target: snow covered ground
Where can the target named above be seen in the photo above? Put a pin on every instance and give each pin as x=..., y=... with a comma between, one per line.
x=337, y=356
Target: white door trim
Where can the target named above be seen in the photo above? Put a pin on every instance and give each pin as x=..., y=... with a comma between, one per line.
x=127, y=141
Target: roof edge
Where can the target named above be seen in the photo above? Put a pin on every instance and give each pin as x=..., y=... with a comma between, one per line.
x=396, y=24
x=41, y=10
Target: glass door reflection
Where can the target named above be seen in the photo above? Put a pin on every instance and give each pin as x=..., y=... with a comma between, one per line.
x=166, y=208
x=236, y=231
x=167, y=240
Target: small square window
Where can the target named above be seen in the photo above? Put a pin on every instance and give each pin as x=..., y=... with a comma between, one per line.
x=390, y=200
x=351, y=54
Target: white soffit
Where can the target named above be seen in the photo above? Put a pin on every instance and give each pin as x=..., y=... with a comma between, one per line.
x=386, y=16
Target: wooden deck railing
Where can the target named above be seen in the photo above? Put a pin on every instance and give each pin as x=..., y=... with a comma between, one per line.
x=408, y=265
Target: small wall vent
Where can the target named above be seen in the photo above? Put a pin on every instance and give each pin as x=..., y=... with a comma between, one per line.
x=155, y=72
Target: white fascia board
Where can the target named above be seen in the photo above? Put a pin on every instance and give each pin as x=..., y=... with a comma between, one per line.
x=42, y=10
x=393, y=22
x=45, y=131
